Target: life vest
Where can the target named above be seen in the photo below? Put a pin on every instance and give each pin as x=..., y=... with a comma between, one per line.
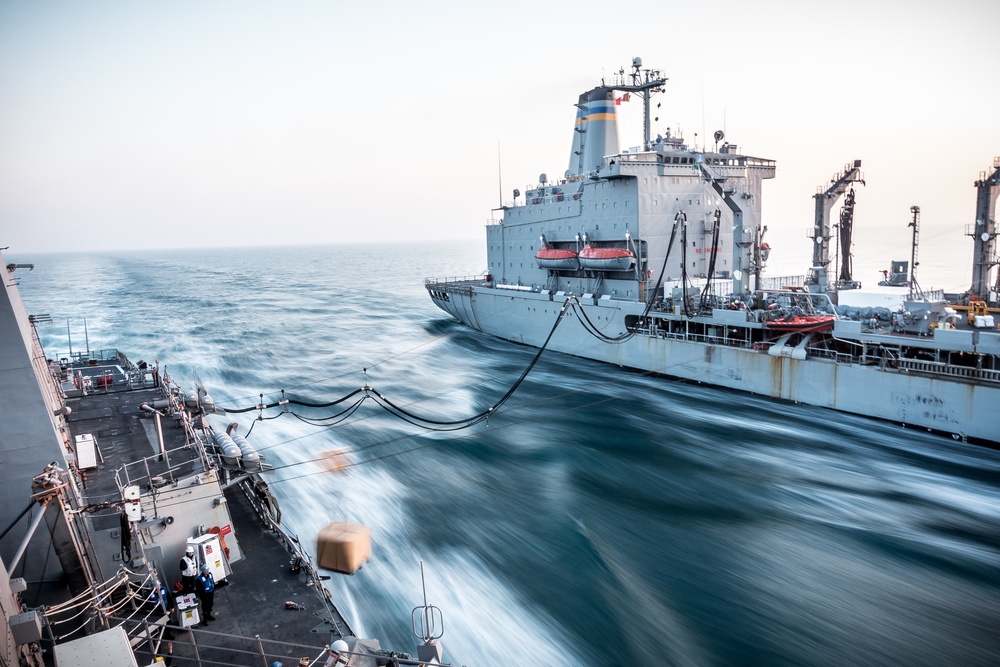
x=206, y=582
x=189, y=567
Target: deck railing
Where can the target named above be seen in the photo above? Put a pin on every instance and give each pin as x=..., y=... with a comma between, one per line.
x=941, y=368
x=200, y=647
x=300, y=555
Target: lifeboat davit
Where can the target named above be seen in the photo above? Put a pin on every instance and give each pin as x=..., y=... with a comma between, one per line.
x=606, y=259
x=557, y=259
x=802, y=323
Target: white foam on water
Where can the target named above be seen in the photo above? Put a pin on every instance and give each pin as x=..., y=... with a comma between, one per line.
x=486, y=622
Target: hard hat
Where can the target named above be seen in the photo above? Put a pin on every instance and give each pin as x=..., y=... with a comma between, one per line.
x=204, y=567
x=189, y=550
x=276, y=664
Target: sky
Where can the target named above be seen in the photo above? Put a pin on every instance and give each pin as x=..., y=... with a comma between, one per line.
x=177, y=124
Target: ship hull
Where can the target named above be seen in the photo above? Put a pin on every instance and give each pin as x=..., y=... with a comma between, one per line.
x=961, y=408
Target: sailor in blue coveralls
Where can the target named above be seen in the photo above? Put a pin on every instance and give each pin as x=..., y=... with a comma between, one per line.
x=205, y=590
x=162, y=598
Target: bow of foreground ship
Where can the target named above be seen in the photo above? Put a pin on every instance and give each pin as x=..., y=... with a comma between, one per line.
x=121, y=472
x=653, y=258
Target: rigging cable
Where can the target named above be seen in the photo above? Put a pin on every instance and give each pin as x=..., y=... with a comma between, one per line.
x=404, y=437
x=703, y=306
x=451, y=425
x=331, y=420
x=31, y=503
x=293, y=401
x=684, y=273
x=589, y=325
x=396, y=410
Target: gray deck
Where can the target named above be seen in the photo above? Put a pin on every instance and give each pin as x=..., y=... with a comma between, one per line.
x=252, y=603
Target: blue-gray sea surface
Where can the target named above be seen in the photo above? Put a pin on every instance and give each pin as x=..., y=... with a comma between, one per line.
x=601, y=517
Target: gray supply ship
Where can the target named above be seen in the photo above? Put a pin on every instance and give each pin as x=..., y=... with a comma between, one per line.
x=653, y=258
x=121, y=471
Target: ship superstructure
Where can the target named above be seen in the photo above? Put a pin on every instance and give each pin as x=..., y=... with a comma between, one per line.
x=653, y=258
x=626, y=202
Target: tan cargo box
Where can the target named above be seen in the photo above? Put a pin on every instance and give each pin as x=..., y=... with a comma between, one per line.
x=343, y=547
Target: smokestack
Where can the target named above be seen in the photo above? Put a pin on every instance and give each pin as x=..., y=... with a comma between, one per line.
x=596, y=131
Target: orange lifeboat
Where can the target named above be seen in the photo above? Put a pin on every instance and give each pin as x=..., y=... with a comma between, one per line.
x=802, y=323
x=557, y=259
x=606, y=259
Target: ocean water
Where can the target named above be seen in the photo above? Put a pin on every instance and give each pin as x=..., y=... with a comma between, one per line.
x=601, y=517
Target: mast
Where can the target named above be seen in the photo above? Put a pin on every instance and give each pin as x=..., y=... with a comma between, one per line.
x=645, y=82
x=915, y=224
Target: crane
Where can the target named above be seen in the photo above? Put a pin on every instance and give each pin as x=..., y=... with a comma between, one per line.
x=984, y=252
x=818, y=281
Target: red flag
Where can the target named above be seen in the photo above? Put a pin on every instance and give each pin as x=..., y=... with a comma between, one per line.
x=618, y=101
